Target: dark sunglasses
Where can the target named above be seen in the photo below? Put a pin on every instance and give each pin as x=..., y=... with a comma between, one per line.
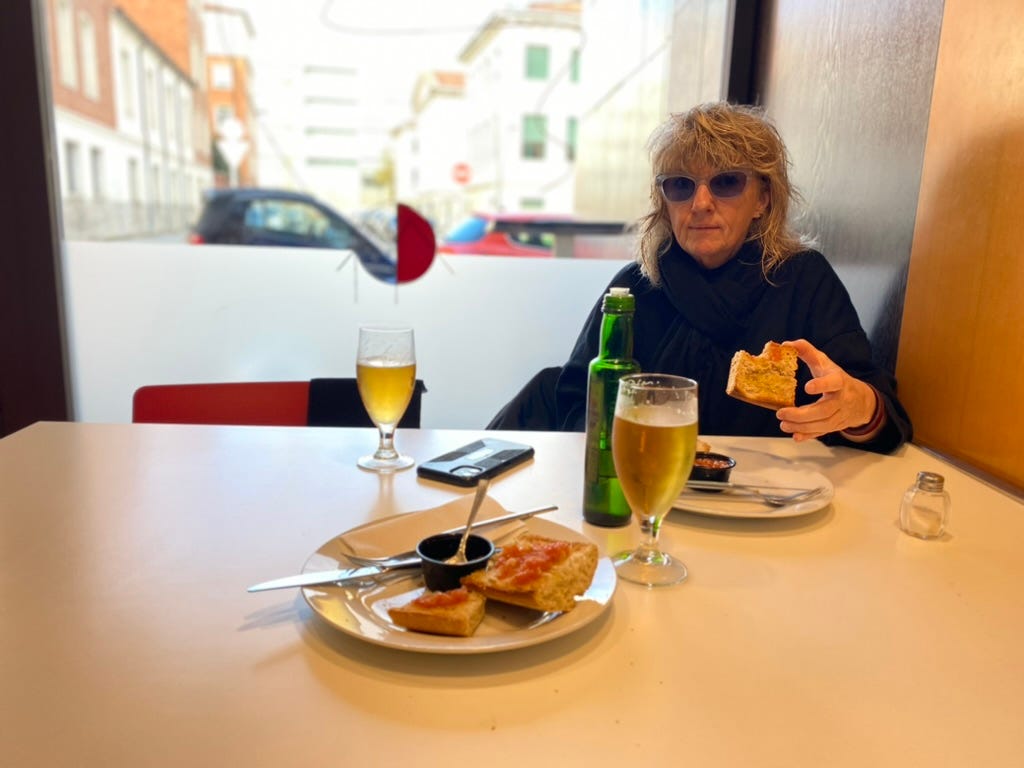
x=680, y=188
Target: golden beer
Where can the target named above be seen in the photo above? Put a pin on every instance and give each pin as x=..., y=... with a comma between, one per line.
x=385, y=390
x=653, y=450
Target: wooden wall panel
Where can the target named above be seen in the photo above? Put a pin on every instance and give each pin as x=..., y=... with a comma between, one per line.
x=961, y=354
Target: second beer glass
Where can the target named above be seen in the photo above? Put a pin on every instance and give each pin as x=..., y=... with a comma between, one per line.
x=386, y=377
x=653, y=442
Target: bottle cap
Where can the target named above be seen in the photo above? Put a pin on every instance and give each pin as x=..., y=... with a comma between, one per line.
x=930, y=481
x=618, y=300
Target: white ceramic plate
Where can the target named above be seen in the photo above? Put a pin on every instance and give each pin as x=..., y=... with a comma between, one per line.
x=362, y=611
x=757, y=467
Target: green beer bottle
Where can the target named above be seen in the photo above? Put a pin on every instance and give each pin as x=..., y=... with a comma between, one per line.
x=603, y=502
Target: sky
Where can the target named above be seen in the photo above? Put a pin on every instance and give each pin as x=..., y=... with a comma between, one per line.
x=396, y=40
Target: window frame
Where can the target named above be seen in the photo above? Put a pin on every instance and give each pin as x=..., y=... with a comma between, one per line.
x=537, y=62
x=530, y=148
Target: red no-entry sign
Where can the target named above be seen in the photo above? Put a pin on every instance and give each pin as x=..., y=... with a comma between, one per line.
x=460, y=173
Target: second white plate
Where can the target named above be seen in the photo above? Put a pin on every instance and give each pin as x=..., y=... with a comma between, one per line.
x=756, y=467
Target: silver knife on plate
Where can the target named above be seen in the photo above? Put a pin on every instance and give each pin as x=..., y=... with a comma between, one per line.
x=339, y=577
x=343, y=576
x=718, y=485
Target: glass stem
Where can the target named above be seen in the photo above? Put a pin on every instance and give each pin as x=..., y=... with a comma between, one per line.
x=386, y=447
x=649, y=528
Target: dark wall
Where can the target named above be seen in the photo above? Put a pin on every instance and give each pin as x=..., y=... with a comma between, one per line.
x=32, y=369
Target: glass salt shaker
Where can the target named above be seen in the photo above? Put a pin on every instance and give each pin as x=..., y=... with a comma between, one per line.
x=924, y=512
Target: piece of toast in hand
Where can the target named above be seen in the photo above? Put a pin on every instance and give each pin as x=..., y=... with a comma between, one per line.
x=457, y=612
x=537, y=572
x=767, y=379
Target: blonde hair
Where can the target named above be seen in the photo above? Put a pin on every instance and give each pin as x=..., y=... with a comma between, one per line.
x=722, y=136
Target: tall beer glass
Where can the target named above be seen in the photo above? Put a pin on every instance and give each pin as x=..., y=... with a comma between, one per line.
x=654, y=437
x=386, y=377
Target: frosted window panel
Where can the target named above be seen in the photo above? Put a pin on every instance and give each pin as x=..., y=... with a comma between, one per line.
x=483, y=325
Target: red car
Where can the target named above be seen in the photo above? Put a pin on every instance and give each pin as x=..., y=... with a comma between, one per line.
x=535, y=235
x=486, y=234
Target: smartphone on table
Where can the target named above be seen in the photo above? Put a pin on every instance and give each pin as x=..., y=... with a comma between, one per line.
x=486, y=457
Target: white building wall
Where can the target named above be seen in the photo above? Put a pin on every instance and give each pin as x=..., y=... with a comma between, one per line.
x=403, y=158
x=289, y=96
x=483, y=96
x=499, y=93
x=441, y=133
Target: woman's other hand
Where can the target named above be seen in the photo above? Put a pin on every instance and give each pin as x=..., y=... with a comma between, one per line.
x=846, y=403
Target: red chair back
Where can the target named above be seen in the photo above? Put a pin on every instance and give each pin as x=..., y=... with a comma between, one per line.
x=255, y=403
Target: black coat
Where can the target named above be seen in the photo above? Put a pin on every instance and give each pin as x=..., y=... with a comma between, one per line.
x=697, y=319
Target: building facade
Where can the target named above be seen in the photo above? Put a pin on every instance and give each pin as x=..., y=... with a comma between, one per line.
x=132, y=140
x=522, y=94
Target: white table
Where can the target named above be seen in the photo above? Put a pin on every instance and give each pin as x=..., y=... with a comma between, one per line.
x=127, y=636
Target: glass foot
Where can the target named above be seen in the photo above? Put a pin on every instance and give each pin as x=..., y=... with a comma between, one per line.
x=394, y=463
x=653, y=569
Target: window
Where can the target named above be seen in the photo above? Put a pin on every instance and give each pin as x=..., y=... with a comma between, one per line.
x=127, y=84
x=151, y=97
x=222, y=77
x=338, y=101
x=536, y=62
x=90, y=60
x=342, y=161
x=154, y=183
x=574, y=66
x=284, y=222
x=222, y=114
x=184, y=108
x=570, y=139
x=329, y=130
x=321, y=69
x=175, y=105
x=72, y=171
x=133, y=180
x=66, y=58
x=535, y=129
x=337, y=118
x=198, y=66
x=96, y=172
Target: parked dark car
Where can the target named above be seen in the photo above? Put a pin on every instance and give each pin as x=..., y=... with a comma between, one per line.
x=276, y=217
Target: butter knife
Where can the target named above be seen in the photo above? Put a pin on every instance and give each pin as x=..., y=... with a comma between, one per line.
x=339, y=577
x=717, y=485
x=410, y=559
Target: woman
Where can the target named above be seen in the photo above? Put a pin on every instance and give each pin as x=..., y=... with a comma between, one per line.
x=718, y=269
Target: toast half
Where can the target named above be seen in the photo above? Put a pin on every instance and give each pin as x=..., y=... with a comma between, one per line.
x=537, y=572
x=767, y=379
x=457, y=612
